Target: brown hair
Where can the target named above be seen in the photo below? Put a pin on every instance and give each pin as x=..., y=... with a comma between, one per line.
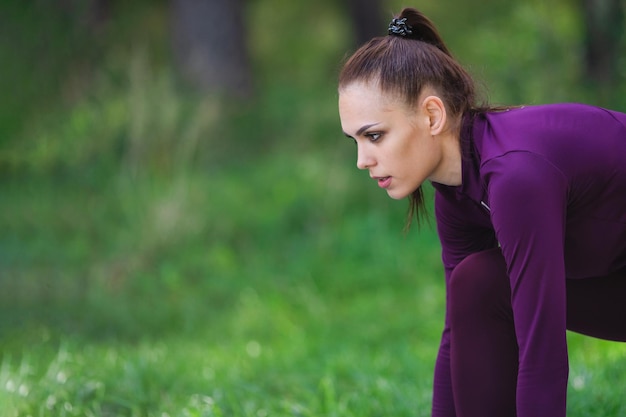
x=404, y=65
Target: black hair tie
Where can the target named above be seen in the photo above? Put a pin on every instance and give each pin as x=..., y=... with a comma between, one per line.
x=399, y=27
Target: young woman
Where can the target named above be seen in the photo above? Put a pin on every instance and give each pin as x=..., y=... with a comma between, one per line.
x=530, y=205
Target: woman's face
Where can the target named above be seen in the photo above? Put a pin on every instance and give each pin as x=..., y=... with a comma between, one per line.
x=394, y=142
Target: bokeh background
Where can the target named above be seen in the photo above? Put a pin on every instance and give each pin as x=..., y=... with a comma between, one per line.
x=183, y=230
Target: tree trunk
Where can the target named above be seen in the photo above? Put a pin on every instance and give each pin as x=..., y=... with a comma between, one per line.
x=604, y=29
x=94, y=14
x=367, y=19
x=209, y=41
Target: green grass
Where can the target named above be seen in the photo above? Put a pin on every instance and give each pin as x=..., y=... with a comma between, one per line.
x=268, y=294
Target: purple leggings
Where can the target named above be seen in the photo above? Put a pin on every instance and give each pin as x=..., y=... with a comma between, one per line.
x=483, y=348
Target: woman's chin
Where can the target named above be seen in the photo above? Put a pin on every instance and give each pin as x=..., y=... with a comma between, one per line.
x=396, y=194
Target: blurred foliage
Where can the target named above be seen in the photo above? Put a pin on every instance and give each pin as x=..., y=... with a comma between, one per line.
x=119, y=180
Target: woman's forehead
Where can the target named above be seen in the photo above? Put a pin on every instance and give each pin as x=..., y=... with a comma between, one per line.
x=369, y=91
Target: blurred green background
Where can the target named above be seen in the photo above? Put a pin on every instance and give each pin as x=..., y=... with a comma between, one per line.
x=183, y=230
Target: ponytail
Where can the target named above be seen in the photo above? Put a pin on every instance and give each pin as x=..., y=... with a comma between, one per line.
x=421, y=28
x=412, y=57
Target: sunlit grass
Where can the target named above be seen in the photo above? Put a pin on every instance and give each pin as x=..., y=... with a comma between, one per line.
x=208, y=375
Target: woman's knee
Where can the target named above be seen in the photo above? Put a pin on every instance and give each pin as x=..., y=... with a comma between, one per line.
x=478, y=281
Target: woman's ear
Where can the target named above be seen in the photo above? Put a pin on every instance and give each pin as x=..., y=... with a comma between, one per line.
x=436, y=111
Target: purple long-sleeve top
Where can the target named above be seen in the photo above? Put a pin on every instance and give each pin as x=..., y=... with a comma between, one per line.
x=548, y=185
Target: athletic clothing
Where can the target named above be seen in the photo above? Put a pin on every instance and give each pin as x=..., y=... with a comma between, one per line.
x=483, y=344
x=547, y=185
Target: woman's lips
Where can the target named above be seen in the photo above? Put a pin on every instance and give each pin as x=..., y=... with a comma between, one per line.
x=384, y=182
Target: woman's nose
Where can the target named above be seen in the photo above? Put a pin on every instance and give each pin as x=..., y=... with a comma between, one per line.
x=364, y=159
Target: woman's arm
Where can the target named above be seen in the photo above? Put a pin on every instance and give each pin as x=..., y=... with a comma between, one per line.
x=463, y=229
x=528, y=200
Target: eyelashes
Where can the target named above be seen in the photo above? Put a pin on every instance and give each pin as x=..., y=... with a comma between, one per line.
x=374, y=136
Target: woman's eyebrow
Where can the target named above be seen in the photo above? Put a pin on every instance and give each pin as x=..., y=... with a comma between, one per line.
x=362, y=129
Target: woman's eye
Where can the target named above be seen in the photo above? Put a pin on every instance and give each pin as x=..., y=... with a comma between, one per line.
x=374, y=136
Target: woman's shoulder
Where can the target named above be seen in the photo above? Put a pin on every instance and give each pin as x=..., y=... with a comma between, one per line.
x=547, y=130
x=550, y=113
